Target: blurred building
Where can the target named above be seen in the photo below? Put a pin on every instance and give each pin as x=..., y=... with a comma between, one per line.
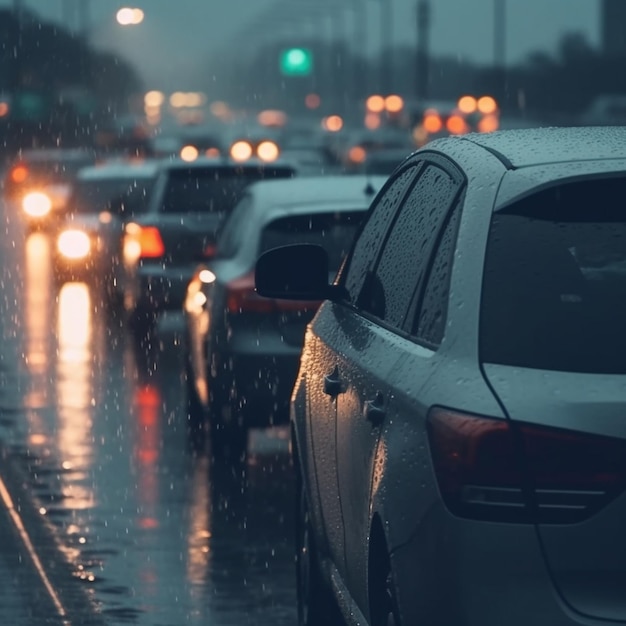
x=613, y=24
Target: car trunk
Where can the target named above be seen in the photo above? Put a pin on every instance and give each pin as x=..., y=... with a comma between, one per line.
x=583, y=504
x=553, y=345
x=187, y=237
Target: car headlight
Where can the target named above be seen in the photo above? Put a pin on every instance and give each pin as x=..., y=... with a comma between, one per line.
x=74, y=244
x=36, y=204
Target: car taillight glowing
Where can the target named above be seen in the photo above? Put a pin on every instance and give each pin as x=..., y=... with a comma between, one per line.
x=457, y=125
x=495, y=469
x=267, y=151
x=432, y=122
x=241, y=151
x=241, y=297
x=142, y=242
x=209, y=251
x=19, y=174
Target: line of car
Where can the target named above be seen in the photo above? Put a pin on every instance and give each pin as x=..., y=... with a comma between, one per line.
x=447, y=345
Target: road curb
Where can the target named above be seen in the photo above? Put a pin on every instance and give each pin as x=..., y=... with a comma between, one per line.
x=58, y=596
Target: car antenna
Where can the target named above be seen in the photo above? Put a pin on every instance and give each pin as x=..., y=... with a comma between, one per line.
x=369, y=190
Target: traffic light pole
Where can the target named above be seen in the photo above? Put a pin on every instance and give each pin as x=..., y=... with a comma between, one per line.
x=386, y=47
x=423, y=49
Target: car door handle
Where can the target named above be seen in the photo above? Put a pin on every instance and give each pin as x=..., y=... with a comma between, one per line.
x=374, y=410
x=332, y=383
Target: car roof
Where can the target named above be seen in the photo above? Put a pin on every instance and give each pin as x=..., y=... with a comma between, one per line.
x=316, y=190
x=538, y=146
x=56, y=155
x=119, y=169
x=223, y=162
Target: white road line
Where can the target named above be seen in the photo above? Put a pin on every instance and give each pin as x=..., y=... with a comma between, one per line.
x=17, y=521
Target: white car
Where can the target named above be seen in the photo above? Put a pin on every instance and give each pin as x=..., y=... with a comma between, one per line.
x=459, y=417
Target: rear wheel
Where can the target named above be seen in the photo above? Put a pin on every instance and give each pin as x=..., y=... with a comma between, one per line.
x=316, y=604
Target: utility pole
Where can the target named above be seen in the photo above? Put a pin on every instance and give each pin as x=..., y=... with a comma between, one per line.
x=499, y=46
x=423, y=49
x=18, y=11
x=360, y=52
x=84, y=18
x=386, y=47
x=499, y=33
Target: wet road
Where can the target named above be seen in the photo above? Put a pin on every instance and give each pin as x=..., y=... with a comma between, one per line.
x=154, y=532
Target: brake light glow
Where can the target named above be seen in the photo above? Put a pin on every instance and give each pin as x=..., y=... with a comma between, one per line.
x=19, y=174
x=142, y=242
x=495, y=469
x=267, y=151
x=241, y=151
x=432, y=122
x=209, y=251
x=151, y=242
x=456, y=125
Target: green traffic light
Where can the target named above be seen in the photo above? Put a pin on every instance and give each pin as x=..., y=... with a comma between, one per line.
x=296, y=62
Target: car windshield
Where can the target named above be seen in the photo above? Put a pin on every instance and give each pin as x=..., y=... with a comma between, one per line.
x=212, y=190
x=333, y=231
x=554, y=293
x=93, y=196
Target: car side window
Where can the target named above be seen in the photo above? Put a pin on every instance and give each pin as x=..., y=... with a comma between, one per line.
x=367, y=245
x=390, y=288
x=230, y=233
x=429, y=324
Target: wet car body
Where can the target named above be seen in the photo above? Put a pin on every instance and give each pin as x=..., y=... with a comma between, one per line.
x=456, y=470
x=47, y=173
x=103, y=198
x=178, y=231
x=243, y=350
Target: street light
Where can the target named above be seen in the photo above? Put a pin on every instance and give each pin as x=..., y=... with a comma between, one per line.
x=128, y=16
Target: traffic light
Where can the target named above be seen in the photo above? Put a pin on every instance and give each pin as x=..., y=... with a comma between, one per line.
x=296, y=62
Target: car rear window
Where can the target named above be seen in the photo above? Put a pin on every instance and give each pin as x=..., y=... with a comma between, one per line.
x=212, y=190
x=93, y=196
x=554, y=291
x=333, y=231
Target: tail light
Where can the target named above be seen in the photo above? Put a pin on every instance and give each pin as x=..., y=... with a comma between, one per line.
x=241, y=297
x=209, y=251
x=499, y=470
x=19, y=173
x=142, y=242
x=432, y=122
x=457, y=125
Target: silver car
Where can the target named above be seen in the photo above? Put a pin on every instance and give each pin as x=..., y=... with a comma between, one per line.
x=243, y=351
x=459, y=417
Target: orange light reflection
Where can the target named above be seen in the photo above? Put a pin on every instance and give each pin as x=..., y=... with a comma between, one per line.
x=74, y=387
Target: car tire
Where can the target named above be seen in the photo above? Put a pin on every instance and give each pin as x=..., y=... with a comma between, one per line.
x=316, y=603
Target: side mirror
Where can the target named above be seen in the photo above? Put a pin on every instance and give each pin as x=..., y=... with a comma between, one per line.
x=294, y=272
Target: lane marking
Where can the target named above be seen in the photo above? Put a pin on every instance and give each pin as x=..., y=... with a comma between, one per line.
x=17, y=521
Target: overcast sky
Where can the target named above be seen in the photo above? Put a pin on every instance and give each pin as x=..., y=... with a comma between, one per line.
x=177, y=33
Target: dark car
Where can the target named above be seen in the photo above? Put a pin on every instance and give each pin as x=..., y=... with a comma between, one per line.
x=186, y=208
x=243, y=350
x=39, y=182
x=88, y=241
x=458, y=418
